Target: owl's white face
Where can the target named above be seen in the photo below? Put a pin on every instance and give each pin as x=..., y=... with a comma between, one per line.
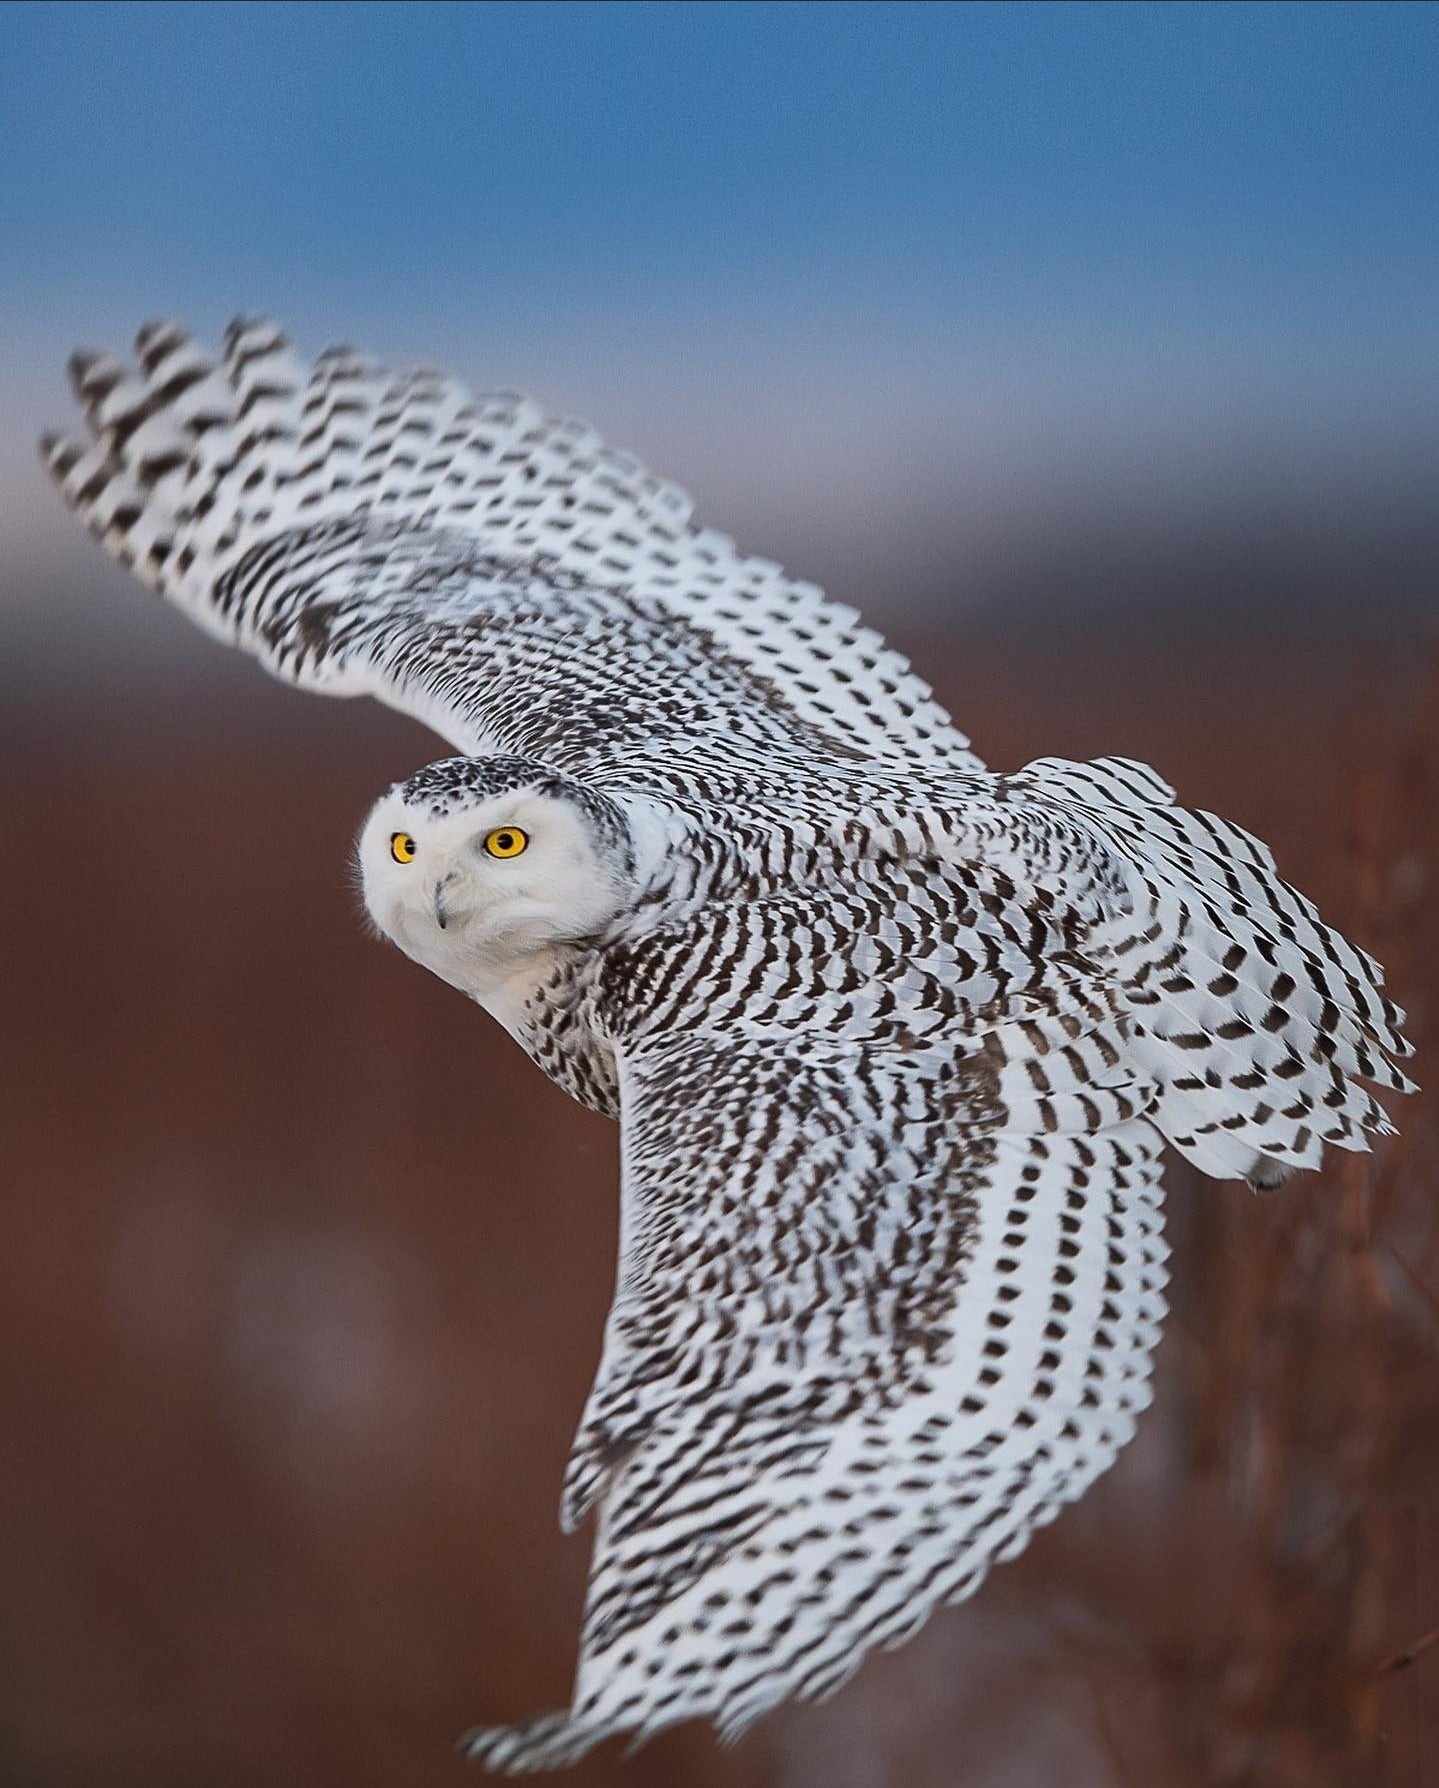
x=482, y=889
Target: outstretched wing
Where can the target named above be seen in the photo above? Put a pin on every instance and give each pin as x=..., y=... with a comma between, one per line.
x=887, y=1292
x=496, y=572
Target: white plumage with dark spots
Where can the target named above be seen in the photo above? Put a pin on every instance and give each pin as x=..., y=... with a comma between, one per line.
x=894, y=1042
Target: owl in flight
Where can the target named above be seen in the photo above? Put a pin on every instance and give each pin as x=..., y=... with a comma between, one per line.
x=895, y=1042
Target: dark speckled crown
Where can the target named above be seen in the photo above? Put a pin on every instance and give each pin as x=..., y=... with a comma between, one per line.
x=455, y=783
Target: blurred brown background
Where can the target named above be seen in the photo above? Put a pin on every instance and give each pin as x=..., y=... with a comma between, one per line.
x=303, y=1268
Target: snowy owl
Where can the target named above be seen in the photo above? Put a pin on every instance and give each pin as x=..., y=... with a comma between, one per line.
x=895, y=1042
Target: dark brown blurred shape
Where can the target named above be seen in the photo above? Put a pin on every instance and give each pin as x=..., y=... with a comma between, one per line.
x=304, y=1270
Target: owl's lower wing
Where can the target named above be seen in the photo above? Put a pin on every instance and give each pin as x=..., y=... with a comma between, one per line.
x=881, y=1312
x=496, y=572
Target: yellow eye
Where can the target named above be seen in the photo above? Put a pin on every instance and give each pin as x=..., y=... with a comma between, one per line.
x=507, y=841
x=403, y=847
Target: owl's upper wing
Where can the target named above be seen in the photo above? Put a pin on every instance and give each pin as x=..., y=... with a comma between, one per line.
x=887, y=1293
x=496, y=572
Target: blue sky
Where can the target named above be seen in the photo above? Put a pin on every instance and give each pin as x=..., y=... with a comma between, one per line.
x=809, y=155
x=877, y=254
x=881, y=147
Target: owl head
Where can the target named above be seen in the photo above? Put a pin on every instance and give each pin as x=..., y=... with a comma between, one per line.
x=477, y=866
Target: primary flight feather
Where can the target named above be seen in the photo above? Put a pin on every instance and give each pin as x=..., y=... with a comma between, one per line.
x=894, y=1042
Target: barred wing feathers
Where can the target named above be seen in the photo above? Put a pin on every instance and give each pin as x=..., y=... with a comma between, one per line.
x=497, y=572
x=883, y=1306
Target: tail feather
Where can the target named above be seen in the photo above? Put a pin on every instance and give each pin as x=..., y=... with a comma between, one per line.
x=1291, y=924
x=1257, y=1020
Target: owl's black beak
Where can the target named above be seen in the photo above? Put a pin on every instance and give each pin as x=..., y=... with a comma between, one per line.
x=442, y=915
